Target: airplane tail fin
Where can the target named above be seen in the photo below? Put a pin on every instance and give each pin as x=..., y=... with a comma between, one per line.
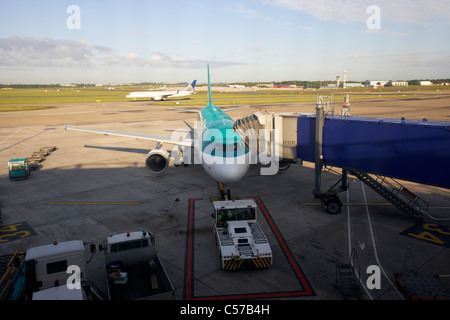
x=191, y=86
x=209, y=89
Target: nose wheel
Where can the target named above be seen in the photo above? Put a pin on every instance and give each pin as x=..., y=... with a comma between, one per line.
x=225, y=194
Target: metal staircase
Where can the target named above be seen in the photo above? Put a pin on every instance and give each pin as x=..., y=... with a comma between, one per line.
x=12, y=275
x=393, y=192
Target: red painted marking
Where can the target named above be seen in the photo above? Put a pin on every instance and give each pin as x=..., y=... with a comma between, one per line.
x=255, y=296
x=285, y=248
x=190, y=251
x=190, y=263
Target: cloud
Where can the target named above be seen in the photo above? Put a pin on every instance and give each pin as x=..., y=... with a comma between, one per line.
x=360, y=55
x=41, y=52
x=388, y=33
x=405, y=11
x=392, y=55
x=428, y=63
x=160, y=60
x=326, y=10
x=289, y=26
x=306, y=28
x=249, y=13
x=156, y=58
x=45, y=52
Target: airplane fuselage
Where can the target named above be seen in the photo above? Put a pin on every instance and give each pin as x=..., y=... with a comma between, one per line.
x=161, y=95
x=157, y=95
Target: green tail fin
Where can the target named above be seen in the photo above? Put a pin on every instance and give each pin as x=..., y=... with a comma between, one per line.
x=209, y=89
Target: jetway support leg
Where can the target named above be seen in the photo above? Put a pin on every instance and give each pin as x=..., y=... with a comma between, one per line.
x=330, y=199
x=320, y=116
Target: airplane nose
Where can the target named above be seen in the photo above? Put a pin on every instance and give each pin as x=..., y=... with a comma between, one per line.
x=228, y=173
x=235, y=173
x=226, y=170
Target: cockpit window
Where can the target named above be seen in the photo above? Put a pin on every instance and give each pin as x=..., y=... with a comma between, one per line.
x=230, y=148
x=224, y=149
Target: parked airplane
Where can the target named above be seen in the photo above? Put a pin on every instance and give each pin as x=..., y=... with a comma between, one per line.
x=238, y=86
x=223, y=153
x=162, y=95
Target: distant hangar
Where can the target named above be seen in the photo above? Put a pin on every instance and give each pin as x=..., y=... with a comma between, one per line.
x=385, y=83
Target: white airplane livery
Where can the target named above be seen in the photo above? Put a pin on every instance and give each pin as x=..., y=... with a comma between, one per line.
x=162, y=95
x=237, y=86
x=223, y=153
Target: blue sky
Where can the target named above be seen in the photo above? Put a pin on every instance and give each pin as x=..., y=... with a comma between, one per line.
x=252, y=40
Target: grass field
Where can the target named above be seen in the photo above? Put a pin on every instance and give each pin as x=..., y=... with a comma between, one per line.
x=16, y=99
x=21, y=108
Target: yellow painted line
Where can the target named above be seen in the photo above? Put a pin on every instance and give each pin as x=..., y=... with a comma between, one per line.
x=348, y=204
x=94, y=203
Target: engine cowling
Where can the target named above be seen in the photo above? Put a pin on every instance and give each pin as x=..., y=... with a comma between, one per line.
x=157, y=161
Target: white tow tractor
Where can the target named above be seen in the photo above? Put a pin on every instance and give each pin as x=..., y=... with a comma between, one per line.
x=239, y=237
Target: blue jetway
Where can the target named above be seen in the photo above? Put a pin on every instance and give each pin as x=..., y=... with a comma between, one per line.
x=375, y=150
x=411, y=150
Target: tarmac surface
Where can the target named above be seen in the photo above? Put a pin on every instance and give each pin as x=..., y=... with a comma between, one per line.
x=94, y=186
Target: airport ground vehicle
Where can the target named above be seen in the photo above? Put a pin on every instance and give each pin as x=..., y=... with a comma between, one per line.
x=48, y=275
x=239, y=237
x=18, y=169
x=133, y=268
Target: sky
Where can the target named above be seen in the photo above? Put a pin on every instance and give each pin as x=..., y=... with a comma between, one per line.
x=99, y=41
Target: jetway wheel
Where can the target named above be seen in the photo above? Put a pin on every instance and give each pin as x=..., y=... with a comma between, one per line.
x=333, y=204
x=284, y=165
x=334, y=207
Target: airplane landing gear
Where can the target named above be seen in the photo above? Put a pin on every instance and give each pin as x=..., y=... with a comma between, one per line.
x=225, y=194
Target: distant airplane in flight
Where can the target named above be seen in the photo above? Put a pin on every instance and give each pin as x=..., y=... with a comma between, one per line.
x=224, y=154
x=162, y=95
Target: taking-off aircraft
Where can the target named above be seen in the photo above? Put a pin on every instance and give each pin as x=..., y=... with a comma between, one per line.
x=161, y=95
x=223, y=153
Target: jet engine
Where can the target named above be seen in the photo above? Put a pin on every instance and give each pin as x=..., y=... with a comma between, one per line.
x=157, y=161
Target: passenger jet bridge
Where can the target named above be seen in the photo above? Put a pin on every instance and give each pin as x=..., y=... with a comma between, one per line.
x=375, y=150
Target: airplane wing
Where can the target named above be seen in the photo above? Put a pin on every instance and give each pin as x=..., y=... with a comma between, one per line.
x=198, y=111
x=186, y=110
x=161, y=139
x=166, y=95
x=226, y=110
